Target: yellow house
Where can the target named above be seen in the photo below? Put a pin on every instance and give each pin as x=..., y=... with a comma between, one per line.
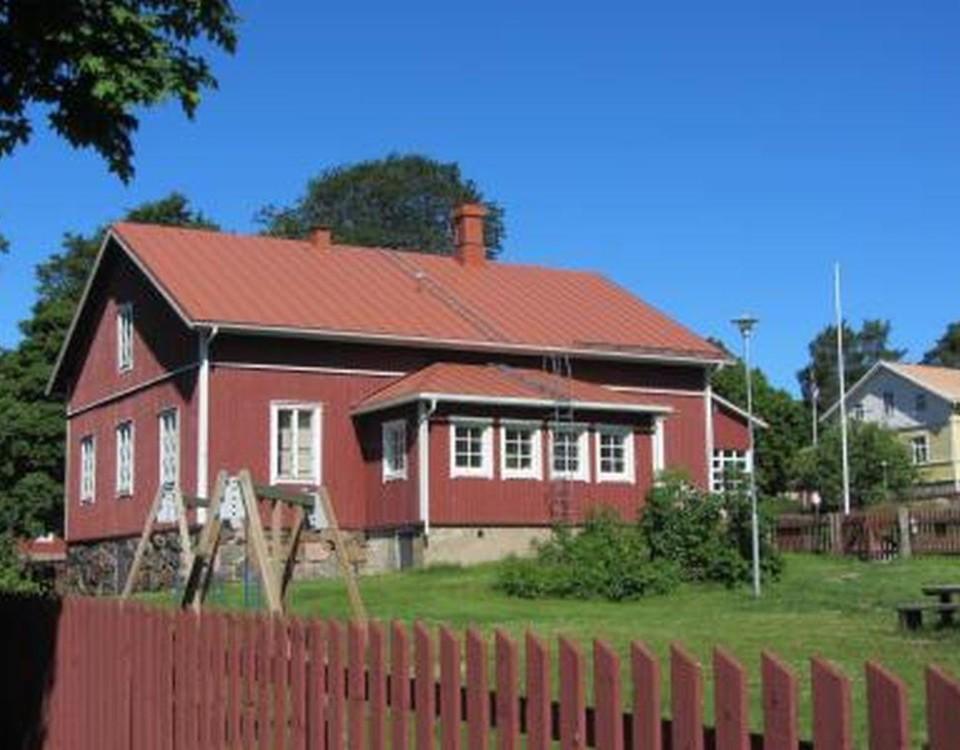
x=922, y=404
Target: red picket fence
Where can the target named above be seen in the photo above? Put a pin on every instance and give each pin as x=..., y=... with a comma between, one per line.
x=100, y=674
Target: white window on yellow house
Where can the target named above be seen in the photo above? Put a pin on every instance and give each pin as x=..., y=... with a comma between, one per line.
x=920, y=447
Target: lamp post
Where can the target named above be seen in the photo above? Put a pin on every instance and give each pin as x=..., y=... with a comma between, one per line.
x=746, y=324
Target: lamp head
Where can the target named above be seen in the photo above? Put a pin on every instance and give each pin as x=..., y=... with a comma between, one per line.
x=745, y=323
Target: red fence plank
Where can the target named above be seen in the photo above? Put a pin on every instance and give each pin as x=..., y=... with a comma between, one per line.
x=425, y=691
x=831, y=707
x=298, y=686
x=539, y=721
x=234, y=657
x=279, y=678
x=686, y=700
x=645, y=673
x=317, y=689
x=943, y=709
x=264, y=669
x=606, y=691
x=356, y=676
x=887, y=714
x=399, y=686
x=478, y=692
x=336, y=686
x=378, y=685
x=573, y=729
x=250, y=632
x=508, y=698
x=449, y=690
x=779, y=704
x=730, y=702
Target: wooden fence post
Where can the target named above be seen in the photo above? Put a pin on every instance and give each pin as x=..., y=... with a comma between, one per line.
x=887, y=712
x=647, y=721
x=317, y=690
x=298, y=686
x=356, y=687
x=730, y=702
x=686, y=700
x=378, y=685
x=831, y=707
x=608, y=711
x=399, y=686
x=573, y=720
x=449, y=690
x=779, y=704
x=336, y=686
x=539, y=718
x=478, y=692
x=425, y=686
x=903, y=524
x=508, y=698
x=943, y=709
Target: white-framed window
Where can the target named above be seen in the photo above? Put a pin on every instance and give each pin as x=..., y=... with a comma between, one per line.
x=294, y=443
x=729, y=466
x=858, y=412
x=569, y=456
x=88, y=469
x=920, y=447
x=889, y=403
x=394, y=450
x=520, y=450
x=658, y=447
x=471, y=447
x=920, y=402
x=169, y=432
x=125, y=458
x=125, y=337
x=615, y=453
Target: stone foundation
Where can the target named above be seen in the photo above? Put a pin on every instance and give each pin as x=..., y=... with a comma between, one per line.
x=471, y=545
x=101, y=567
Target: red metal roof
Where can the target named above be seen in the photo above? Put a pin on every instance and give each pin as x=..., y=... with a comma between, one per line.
x=262, y=282
x=500, y=384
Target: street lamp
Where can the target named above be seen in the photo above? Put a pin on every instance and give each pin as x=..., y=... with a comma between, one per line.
x=746, y=324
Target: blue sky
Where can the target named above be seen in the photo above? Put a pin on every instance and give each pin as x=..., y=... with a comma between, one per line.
x=710, y=157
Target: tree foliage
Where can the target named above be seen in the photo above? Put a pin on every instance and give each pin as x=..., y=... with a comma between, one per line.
x=401, y=201
x=788, y=420
x=946, y=352
x=862, y=349
x=91, y=62
x=881, y=467
x=32, y=424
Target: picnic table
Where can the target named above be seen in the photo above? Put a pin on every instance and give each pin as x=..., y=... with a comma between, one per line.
x=945, y=591
x=911, y=613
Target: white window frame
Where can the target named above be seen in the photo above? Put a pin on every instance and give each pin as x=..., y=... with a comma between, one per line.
x=724, y=457
x=91, y=496
x=124, y=490
x=160, y=418
x=485, y=470
x=582, y=474
x=125, y=337
x=316, y=477
x=388, y=430
x=915, y=442
x=536, y=449
x=629, y=474
x=889, y=404
x=858, y=412
x=658, y=446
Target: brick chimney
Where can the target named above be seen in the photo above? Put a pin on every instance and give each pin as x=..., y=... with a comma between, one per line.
x=320, y=237
x=468, y=234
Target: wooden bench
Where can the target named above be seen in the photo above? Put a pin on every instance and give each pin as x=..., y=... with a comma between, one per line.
x=911, y=613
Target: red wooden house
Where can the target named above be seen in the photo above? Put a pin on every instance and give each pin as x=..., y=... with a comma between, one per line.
x=452, y=405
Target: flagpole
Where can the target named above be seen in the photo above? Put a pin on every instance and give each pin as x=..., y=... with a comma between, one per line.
x=843, y=392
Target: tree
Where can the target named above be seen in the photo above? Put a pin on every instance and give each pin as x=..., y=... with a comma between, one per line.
x=31, y=424
x=788, y=420
x=880, y=466
x=402, y=202
x=862, y=349
x=946, y=352
x=92, y=62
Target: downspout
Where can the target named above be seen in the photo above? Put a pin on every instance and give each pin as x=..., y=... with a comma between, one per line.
x=203, y=415
x=426, y=410
x=708, y=407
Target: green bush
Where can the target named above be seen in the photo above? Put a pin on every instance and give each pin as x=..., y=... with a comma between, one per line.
x=682, y=535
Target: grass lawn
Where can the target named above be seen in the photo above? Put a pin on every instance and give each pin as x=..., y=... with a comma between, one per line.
x=840, y=609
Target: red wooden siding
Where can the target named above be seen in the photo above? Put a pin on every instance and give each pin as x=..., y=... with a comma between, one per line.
x=729, y=429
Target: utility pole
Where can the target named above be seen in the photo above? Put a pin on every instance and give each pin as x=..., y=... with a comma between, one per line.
x=746, y=324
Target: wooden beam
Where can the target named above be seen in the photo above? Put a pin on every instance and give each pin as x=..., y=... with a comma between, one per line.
x=142, y=544
x=258, y=540
x=267, y=492
x=339, y=546
x=201, y=567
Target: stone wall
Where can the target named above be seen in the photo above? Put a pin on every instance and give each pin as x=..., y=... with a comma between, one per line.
x=101, y=567
x=470, y=545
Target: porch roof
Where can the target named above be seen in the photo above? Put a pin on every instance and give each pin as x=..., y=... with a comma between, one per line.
x=501, y=385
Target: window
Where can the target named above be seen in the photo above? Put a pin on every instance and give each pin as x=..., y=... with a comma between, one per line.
x=614, y=454
x=658, y=448
x=889, y=402
x=920, y=403
x=125, y=458
x=520, y=456
x=728, y=466
x=295, y=443
x=921, y=449
x=568, y=453
x=858, y=412
x=471, y=448
x=394, y=450
x=88, y=469
x=125, y=337
x=169, y=449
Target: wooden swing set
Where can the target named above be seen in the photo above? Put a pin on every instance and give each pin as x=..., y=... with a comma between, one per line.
x=235, y=498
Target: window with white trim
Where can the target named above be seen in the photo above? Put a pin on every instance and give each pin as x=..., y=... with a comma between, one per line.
x=889, y=403
x=658, y=447
x=394, y=450
x=920, y=448
x=520, y=453
x=615, y=454
x=295, y=443
x=859, y=412
x=125, y=337
x=568, y=453
x=125, y=458
x=88, y=469
x=169, y=448
x=729, y=467
x=471, y=448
